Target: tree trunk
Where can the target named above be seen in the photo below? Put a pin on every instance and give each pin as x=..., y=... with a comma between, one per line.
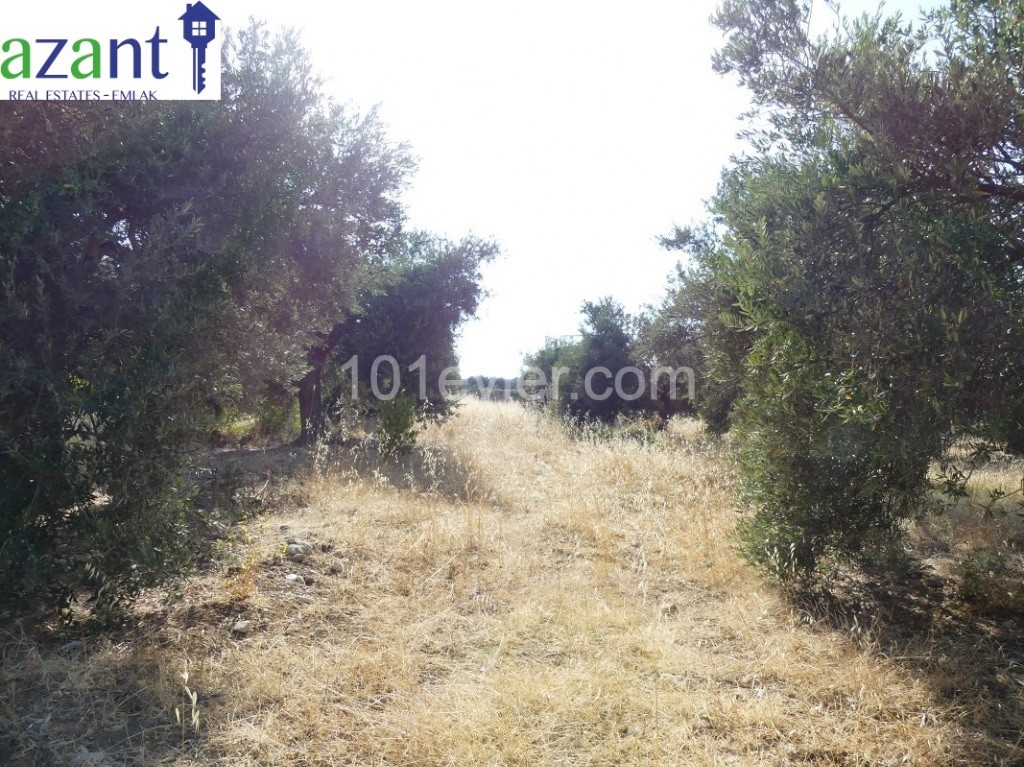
x=310, y=388
x=311, y=407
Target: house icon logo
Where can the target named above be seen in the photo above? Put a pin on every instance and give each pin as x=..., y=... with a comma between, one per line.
x=199, y=28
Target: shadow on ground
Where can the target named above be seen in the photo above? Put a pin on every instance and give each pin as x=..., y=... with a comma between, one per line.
x=973, y=663
x=424, y=469
x=86, y=702
x=105, y=697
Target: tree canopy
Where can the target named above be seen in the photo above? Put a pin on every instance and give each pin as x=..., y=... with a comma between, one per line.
x=871, y=250
x=153, y=256
x=409, y=319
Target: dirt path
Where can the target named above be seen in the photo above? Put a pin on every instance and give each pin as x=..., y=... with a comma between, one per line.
x=509, y=596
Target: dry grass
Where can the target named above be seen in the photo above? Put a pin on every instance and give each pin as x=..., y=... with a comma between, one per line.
x=506, y=595
x=978, y=522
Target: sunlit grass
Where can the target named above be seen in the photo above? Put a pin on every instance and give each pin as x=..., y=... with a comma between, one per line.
x=505, y=595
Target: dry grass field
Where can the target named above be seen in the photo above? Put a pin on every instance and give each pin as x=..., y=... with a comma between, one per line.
x=508, y=595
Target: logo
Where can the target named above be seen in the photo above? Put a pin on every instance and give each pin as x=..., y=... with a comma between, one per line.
x=200, y=29
x=133, y=52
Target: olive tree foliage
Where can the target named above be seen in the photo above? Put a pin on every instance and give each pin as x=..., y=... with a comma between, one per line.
x=604, y=347
x=606, y=341
x=343, y=180
x=401, y=336
x=559, y=363
x=873, y=252
x=686, y=330
x=154, y=257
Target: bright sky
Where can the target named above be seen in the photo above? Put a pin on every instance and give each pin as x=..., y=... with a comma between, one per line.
x=574, y=133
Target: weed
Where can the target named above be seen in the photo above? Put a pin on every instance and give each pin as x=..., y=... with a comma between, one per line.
x=187, y=714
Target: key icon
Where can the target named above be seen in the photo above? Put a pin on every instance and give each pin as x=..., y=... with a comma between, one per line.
x=200, y=28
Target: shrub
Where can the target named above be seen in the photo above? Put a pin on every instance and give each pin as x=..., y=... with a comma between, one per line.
x=277, y=418
x=993, y=582
x=397, y=427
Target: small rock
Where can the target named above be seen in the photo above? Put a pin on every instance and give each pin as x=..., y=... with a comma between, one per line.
x=309, y=580
x=242, y=628
x=72, y=646
x=293, y=578
x=337, y=568
x=88, y=758
x=298, y=551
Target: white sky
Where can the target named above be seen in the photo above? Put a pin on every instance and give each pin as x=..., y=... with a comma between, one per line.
x=573, y=133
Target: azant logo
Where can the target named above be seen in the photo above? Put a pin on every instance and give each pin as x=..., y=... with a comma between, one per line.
x=163, y=66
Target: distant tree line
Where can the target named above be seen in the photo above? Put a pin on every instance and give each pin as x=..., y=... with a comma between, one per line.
x=618, y=365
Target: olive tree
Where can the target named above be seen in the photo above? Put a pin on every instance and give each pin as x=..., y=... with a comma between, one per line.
x=155, y=258
x=872, y=249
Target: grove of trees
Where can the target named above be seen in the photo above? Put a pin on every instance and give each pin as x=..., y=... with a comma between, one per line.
x=163, y=262
x=608, y=369
x=856, y=297
x=853, y=303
